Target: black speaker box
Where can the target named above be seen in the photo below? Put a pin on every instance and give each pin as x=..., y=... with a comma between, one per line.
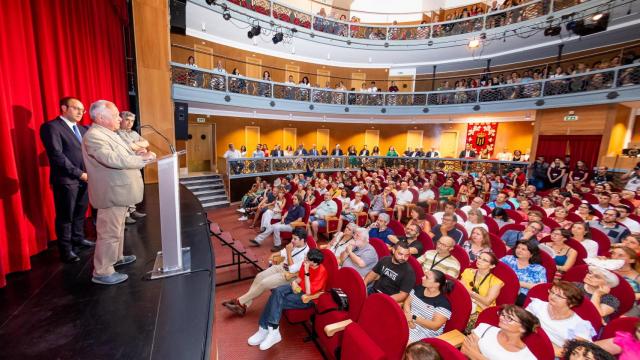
x=178, y=11
x=181, y=119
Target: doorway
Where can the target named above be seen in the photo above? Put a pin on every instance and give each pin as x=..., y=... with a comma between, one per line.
x=200, y=148
x=448, y=144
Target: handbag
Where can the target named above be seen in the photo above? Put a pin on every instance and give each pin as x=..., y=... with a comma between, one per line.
x=340, y=298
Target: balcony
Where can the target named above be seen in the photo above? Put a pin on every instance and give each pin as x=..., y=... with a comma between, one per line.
x=205, y=87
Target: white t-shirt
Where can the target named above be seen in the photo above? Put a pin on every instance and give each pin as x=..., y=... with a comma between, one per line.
x=438, y=216
x=465, y=209
x=404, y=197
x=469, y=226
x=633, y=184
x=298, y=255
x=591, y=247
x=491, y=348
x=231, y=154
x=356, y=207
x=631, y=224
x=424, y=195
x=559, y=331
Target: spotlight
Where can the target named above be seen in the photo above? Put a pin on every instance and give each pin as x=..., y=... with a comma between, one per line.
x=552, y=31
x=277, y=38
x=597, y=16
x=474, y=43
x=226, y=15
x=255, y=31
x=583, y=29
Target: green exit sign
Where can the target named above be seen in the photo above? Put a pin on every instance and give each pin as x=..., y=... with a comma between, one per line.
x=571, y=118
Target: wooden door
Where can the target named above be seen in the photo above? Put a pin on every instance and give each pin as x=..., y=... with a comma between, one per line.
x=322, y=77
x=322, y=139
x=251, y=138
x=293, y=70
x=414, y=139
x=203, y=56
x=357, y=79
x=254, y=67
x=449, y=144
x=371, y=138
x=199, y=147
x=289, y=138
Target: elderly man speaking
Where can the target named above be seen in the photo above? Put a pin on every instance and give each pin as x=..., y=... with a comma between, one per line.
x=115, y=183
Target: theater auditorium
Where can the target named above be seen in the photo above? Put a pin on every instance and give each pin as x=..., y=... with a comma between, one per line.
x=320, y=179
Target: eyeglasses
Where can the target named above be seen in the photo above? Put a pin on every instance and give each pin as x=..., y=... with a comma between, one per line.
x=82, y=110
x=508, y=318
x=557, y=294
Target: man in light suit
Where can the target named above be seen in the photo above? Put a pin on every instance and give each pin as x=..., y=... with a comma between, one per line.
x=115, y=183
x=62, y=139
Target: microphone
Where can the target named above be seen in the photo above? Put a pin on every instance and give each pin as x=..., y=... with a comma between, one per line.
x=171, y=148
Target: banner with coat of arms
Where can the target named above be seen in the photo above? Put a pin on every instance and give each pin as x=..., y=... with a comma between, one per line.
x=482, y=138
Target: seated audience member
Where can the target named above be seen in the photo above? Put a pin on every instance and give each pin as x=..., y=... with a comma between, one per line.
x=341, y=239
x=380, y=202
x=585, y=211
x=477, y=243
x=426, y=196
x=526, y=264
x=547, y=205
x=411, y=237
x=287, y=262
x=537, y=216
x=448, y=227
x=560, y=216
x=474, y=219
x=530, y=232
x=628, y=271
x=420, y=350
x=582, y=350
x=556, y=317
x=427, y=308
x=269, y=200
x=631, y=241
x=610, y=227
x=319, y=215
x=359, y=254
x=446, y=191
x=341, y=195
x=504, y=341
x=441, y=258
x=404, y=197
x=501, y=217
x=596, y=286
x=623, y=218
x=624, y=344
x=563, y=255
x=449, y=209
x=500, y=202
x=392, y=275
x=580, y=232
x=300, y=294
x=296, y=213
x=482, y=285
x=351, y=211
x=476, y=204
x=380, y=230
x=603, y=204
x=524, y=208
x=417, y=216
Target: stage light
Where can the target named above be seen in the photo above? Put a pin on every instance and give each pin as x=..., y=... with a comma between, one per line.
x=474, y=43
x=277, y=38
x=255, y=31
x=552, y=31
x=226, y=15
x=597, y=16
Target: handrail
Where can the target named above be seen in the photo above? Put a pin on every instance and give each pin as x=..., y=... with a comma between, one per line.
x=621, y=76
x=260, y=166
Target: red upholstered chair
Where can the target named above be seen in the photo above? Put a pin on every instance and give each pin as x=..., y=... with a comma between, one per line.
x=396, y=227
x=461, y=214
x=311, y=242
x=537, y=342
x=381, y=248
x=302, y=316
x=427, y=242
x=414, y=201
x=624, y=291
x=486, y=208
x=491, y=224
x=538, y=208
x=591, y=198
x=604, y=243
x=352, y=284
x=463, y=230
x=446, y=350
x=460, y=301
x=627, y=324
x=547, y=262
x=497, y=246
x=392, y=206
x=432, y=220
x=573, y=217
x=509, y=292
x=370, y=338
x=515, y=216
x=462, y=257
x=286, y=235
x=575, y=245
x=332, y=221
x=507, y=227
x=417, y=269
x=363, y=217
x=586, y=310
x=551, y=223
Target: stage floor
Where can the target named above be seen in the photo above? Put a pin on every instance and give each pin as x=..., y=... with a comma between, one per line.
x=55, y=312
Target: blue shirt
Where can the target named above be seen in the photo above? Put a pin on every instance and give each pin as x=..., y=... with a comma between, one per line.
x=294, y=213
x=534, y=273
x=511, y=237
x=382, y=235
x=493, y=205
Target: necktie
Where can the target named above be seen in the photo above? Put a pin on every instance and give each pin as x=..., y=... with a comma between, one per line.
x=77, y=132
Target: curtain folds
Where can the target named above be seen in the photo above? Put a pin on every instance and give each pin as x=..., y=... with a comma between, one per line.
x=48, y=49
x=580, y=147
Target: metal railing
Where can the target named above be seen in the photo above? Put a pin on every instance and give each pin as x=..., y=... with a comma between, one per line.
x=621, y=76
x=247, y=167
x=357, y=30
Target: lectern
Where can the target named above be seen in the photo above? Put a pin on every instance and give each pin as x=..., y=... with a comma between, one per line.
x=173, y=259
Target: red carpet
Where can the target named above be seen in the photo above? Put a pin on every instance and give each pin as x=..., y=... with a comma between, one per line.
x=230, y=331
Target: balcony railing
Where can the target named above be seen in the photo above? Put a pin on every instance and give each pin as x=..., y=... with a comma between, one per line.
x=249, y=167
x=356, y=30
x=607, y=79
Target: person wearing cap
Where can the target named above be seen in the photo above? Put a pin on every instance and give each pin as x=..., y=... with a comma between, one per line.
x=596, y=286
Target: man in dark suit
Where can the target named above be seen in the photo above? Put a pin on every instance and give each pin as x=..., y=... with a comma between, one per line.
x=364, y=151
x=337, y=151
x=313, y=151
x=62, y=139
x=301, y=151
x=433, y=153
x=277, y=151
x=467, y=153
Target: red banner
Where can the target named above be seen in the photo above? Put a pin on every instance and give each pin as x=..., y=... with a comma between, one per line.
x=482, y=138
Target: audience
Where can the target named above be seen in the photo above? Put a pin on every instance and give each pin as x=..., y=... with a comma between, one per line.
x=526, y=263
x=448, y=228
x=359, y=254
x=427, y=308
x=478, y=243
x=441, y=258
x=483, y=286
x=392, y=275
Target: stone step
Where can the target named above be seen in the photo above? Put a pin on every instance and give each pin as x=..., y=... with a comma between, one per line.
x=199, y=181
x=212, y=197
x=209, y=191
x=203, y=186
x=215, y=204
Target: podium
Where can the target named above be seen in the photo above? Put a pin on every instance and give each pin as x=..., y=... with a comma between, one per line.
x=173, y=259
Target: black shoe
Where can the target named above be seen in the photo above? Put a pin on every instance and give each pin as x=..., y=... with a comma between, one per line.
x=84, y=243
x=69, y=258
x=276, y=249
x=254, y=243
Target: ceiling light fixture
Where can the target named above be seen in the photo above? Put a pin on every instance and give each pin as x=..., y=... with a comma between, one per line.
x=255, y=31
x=474, y=43
x=278, y=37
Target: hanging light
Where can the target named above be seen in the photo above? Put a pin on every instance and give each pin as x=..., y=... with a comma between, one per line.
x=474, y=43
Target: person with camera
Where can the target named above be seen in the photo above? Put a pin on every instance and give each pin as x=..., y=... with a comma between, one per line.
x=284, y=268
x=633, y=179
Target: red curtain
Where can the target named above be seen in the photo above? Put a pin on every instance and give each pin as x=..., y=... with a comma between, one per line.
x=48, y=49
x=552, y=146
x=585, y=148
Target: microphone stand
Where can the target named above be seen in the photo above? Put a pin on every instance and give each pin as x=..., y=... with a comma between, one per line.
x=171, y=147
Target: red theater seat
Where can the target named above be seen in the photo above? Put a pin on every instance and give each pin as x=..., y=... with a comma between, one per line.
x=381, y=248
x=446, y=350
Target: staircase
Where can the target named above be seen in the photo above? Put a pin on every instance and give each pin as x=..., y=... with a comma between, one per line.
x=209, y=189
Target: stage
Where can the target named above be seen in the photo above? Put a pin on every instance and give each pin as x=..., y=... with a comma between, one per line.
x=54, y=311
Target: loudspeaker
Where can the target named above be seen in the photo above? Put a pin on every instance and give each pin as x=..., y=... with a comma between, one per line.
x=178, y=11
x=181, y=120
